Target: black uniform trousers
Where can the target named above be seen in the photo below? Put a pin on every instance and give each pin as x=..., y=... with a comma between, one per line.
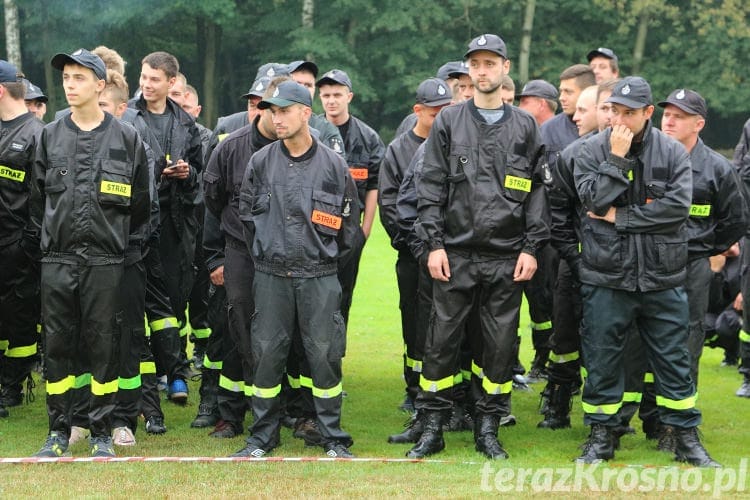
x=313, y=306
x=236, y=377
x=488, y=284
x=347, y=275
x=745, y=331
x=200, y=329
x=19, y=315
x=407, y=278
x=539, y=295
x=82, y=328
x=661, y=318
x=565, y=361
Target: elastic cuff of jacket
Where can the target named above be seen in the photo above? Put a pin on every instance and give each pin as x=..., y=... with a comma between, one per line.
x=147, y=368
x=564, y=357
x=603, y=409
x=231, y=385
x=744, y=336
x=129, y=384
x=103, y=388
x=676, y=404
x=21, y=351
x=329, y=393
x=435, y=245
x=625, y=165
x=530, y=249
x=202, y=333
x=266, y=393
x=164, y=323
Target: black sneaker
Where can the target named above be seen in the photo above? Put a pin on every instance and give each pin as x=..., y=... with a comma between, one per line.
x=250, y=451
x=155, y=425
x=56, y=445
x=226, y=430
x=3, y=412
x=207, y=416
x=334, y=449
x=307, y=430
x=102, y=447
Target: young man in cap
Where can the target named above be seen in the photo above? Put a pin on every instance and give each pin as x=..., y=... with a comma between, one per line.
x=19, y=251
x=84, y=239
x=635, y=184
x=228, y=124
x=603, y=62
x=717, y=220
x=432, y=95
x=539, y=98
x=364, y=152
x=306, y=189
x=481, y=214
x=36, y=101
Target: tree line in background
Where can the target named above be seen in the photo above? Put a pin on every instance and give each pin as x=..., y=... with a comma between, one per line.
x=389, y=46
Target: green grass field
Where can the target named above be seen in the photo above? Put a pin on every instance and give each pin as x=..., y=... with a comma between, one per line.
x=372, y=379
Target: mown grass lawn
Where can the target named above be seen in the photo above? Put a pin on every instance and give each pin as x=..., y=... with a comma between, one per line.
x=374, y=386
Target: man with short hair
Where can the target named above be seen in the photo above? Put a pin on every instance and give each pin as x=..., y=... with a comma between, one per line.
x=482, y=221
x=585, y=114
x=35, y=99
x=603, y=62
x=306, y=189
x=538, y=97
x=19, y=251
x=364, y=152
x=84, y=239
x=741, y=160
x=635, y=184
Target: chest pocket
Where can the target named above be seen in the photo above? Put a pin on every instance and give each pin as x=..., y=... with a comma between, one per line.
x=114, y=187
x=326, y=212
x=13, y=174
x=517, y=181
x=700, y=207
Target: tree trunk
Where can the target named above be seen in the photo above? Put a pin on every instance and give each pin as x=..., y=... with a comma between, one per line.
x=523, y=56
x=12, y=33
x=308, y=12
x=640, y=42
x=211, y=46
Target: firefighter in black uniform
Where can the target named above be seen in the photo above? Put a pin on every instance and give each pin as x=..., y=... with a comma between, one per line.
x=741, y=161
x=19, y=252
x=298, y=205
x=481, y=213
x=635, y=184
x=432, y=95
x=90, y=191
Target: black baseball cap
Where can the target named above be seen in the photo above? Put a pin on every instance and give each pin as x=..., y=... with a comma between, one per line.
x=272, y=70
x=492, y=43
x=539, y=88
x=335, y=77
x=450, y=70
x=632, y=91
x=83, y=58
x=306, y=65
x=689, y=101
x=33, y=92
x=602, y=52
x=8, y=72
x=433, y=92
x=286, y=94
x=258, y=87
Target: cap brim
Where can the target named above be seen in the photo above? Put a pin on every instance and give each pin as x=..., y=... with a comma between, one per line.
x=469, y=52
x=251, y=94
x=276, y=101
x=596, y=53
x=60, y=60
x=626, y=102
x=331, y=81
x=440, y=102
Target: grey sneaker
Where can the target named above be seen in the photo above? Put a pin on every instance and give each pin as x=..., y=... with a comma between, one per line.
x=102, y=447
x=55, y=446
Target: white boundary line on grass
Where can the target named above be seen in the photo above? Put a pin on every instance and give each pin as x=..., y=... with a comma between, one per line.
x=53, y=460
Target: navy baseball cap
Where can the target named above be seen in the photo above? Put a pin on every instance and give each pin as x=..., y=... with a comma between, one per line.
x=602, y=52
x=492, y=43
x=632, y=91
x=450, y=69
x=258, y=87
x=306, y=65
x=83, y=58
x=8, y=72
x=335, y=77
x=272, y=70
x=539, y=88
x=286, y=94
x=433, y=92
x=690, y=101
x=33, y=92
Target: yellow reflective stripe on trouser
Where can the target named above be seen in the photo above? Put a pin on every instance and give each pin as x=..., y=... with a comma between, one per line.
x=164, y=323
x=676, y=404
x=129, y=383
x=21, y=351
x=493, y=388
x=414, y=364
x=61, y=386
x=231, y=385
x=584, y=372
x=147, y=367
x=545, y=325
x=3, y=345
x=632, y=397
x=211, y=364
x=185, y=330
x=648, y=378
x=436, y=385
x=305, y=382
x=100, y=389
x=334, y=391
x=268, y=393
x=744, y=336
x=564, y=358
x=202, y=333
x=248, y=390
x=82, y=381
x=293, y=381
x=609, y=409
x=465, y=375
x=476, y=369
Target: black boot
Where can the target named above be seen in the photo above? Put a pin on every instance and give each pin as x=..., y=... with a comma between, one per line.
x=208, y=408
x=599, y=446
x=457, y=420
x=538, y=370
x=414, y=428
x=544, y=398
x=667, y=439
x=431, y=441
x=744, y=390
x=558, y=408
x=689, y=448
x=652, y=427
x=485, y=436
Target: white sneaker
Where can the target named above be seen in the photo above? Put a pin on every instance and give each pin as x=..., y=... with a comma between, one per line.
x=77, y=434
x=123, y=436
